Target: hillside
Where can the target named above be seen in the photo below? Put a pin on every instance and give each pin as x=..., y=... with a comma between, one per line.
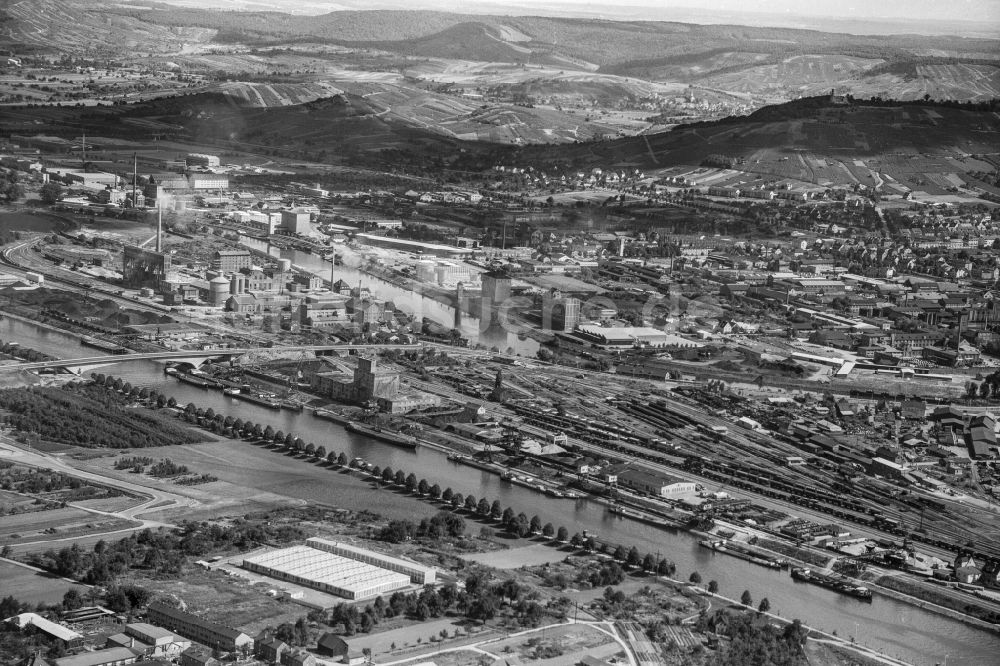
x=920, y=147
x=774, y=64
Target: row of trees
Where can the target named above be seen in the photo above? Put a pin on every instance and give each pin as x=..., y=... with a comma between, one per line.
x=444, y=523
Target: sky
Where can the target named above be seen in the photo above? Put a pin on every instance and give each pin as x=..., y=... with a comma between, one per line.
x=975, y=10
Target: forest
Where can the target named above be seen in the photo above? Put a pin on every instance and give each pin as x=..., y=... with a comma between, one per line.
x=88, y=416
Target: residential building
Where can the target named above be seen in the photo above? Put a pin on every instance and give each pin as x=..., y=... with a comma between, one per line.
x=198, y=629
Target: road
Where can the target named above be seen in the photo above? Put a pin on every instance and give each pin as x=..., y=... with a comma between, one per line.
x=160, y=499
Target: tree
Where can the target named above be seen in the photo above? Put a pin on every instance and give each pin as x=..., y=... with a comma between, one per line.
x=535, y=525
x=51, y=192
x=321, y=452
x=411, y=482
x=400, y=478
x=562, y=534
x=713, y=586
x=435, y=491
x=746, y=598
x=342, y=459
x=548, y=530
x=620, y=553
x=764, y=605
x=695, y=578
x=496, y=510
x=447, y=495
x=72, y=599
x=649, y=562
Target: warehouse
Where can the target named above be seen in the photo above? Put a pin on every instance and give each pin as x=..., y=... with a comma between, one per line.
x=418, y=573
x=328, y=572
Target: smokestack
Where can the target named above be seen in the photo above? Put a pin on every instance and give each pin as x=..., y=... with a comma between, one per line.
x=159, y=227
x=135, y=178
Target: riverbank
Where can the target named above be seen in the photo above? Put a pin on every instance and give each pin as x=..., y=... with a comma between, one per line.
x=890, y=625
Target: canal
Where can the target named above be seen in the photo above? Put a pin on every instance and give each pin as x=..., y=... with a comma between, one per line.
x=888, y=625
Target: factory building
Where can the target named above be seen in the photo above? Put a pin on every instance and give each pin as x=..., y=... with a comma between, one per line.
x=418, y=573
x=230, y=261
x=144, y=268
x=208, y=181
x=326, y=571
x=560, y=313
x=295, y=221
x=201, y=160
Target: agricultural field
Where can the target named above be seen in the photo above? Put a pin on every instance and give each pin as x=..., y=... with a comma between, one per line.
x=55, y=525
x=15, y=503
x=34, y=587
x=804, y=75
x=278, y=94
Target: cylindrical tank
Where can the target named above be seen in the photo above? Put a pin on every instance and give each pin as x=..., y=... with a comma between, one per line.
x=218, y=290
x=284, y=265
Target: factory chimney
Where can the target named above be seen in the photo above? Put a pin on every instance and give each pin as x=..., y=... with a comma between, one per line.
x=135, y=178
x=159, y=226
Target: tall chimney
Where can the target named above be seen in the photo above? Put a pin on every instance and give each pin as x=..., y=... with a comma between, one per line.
x=135, y=178
x=159, y=226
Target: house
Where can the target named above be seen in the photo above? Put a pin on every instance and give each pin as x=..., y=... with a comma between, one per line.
x=198, y=655
x=331, y=645
x=354, y=658
x=297, y=658
x=270, y=650
x=967, y=575
x=162, y=642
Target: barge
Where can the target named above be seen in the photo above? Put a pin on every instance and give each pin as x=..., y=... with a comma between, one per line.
x=194, y=380
x=328, y=415
x=388, y=436
x=738, y=551
x=842, y=585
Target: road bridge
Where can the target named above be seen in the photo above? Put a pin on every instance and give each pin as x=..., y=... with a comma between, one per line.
x=198, y=356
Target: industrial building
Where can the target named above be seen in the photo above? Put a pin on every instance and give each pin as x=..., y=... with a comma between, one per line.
x=48, y=627
x=144, y=268
x=418, y=573
x=295, y=221
x=559, y=312
x=231, y=261
x=116, y=656
x=328, y=572
x=201, y=160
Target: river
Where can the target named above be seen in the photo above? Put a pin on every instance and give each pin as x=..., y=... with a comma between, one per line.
x=405, y=300
x=888, y=625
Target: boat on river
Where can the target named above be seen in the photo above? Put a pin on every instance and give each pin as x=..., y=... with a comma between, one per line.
x=835, y=583
x=388, y=436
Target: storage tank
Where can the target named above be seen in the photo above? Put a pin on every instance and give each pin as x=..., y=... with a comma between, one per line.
x=218, y=290
x=284, y=265
x=237, y=284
